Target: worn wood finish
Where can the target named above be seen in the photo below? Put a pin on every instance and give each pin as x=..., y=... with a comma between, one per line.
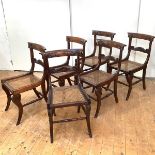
x=73, y=39
x=16, y=85
x=140, y=36
x=128, y=67
x=66, y=96
x=63, y=71
x=92, y=60
x=126, y=128
x=98, y=79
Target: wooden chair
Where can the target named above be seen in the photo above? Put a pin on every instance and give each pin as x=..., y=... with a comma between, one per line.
x=92, y=60
x=16, y=85
x=100, y=80
x=64, y=71
x=128, y=67
x=65, y=96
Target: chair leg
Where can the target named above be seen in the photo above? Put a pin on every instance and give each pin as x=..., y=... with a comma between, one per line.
x=88, y=108
x=8, y=97
x=98, y=92
x=69, y=81
x=143, y=78
x=54, y=113
x=93, y=89
x=36, y=92
x=44, y=91
x=129, y=78
x=61, y=82
x=43, y=87
x=75, y=80
x=17, y=101
x=47, y=84
x=115, y=91
x=79, y=107
x=78, y=110
x=51, y=125
x=109, y=70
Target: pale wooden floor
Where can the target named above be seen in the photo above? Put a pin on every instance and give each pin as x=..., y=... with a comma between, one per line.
x=126, y=128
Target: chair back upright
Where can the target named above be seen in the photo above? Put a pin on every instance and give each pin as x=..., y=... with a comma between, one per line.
x=71, y=40
x=111, y=58
x=133, y=48
x=78, y=53
x=96, y=34
x=35, y=48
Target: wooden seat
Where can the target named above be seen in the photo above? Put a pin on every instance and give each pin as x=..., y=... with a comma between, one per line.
x=66, y=96
x=100, y=80
x=65, y=71
x=92, y=60
x=128, y=67
x=16, y=85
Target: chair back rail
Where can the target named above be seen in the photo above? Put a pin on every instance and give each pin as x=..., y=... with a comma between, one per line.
x=130, y=67
x=141, y=36
x=16, y=85
x=72, y=39
x=111, y=45
x=38, y=48
x=97, y=33
x=61, y=53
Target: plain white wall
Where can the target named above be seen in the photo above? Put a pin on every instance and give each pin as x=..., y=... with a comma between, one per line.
x=115, y=16
x=46, y=22
x=5, y=55
x=147, y=25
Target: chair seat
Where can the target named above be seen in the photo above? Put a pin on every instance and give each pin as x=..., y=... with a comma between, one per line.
x=22, y=83
x=63, y=72
x=128, y=65
x=67, y=96
x=96, y=77
x=92, y=61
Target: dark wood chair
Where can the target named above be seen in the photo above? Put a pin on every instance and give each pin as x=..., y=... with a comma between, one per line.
x=92, y=60
x=17, y=85
x=66, y=96
x=65, y=71
x=128, y=67
x=100, y=80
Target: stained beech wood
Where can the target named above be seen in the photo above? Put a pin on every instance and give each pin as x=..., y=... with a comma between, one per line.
x=65, y=96
x=92, y=60
x=128, y=67
x=98, y=79
x=64, y=71
x=14, y=86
